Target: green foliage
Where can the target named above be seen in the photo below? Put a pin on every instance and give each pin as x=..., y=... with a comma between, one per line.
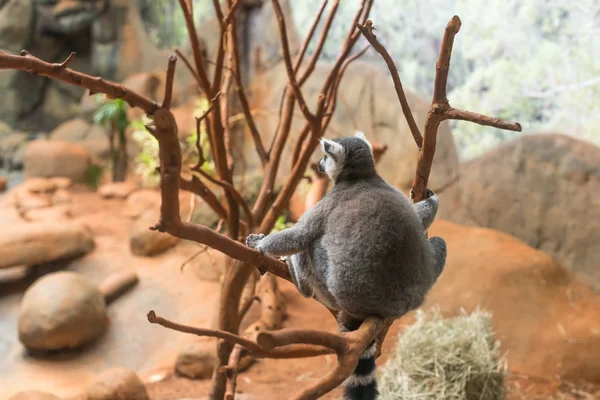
x=94, y=176
x=281, y=224
x=536, y=62
x=147, y=161
x=112, y=112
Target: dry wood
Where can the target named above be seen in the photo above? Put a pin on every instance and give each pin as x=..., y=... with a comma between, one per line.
x=440, y=109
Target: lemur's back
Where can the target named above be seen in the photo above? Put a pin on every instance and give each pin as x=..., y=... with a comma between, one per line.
x=378, y=260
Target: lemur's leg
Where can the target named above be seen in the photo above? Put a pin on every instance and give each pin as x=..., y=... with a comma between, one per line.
x=300, y=268
x=438, y=251
x=283, y=243
x=427, y=209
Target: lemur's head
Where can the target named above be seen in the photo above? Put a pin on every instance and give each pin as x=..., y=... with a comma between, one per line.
x=349, y=157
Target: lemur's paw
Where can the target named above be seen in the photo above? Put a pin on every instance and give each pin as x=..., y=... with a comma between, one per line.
x=253, y=240
x=430, y=193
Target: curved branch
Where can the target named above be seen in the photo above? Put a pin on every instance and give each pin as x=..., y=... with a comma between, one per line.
x=317, y=53
x=285, y=48
x=33, y=65
x=311, y=32
x=367, y=31
x=186, y=7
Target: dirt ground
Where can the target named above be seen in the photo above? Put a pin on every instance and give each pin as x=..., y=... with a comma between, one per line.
x=183, y=297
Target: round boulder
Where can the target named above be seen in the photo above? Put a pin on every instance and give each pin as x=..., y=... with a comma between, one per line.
x=51, y=158
x=198, y=360
x=71, y=131
x=117, y=384
x=34, y=395
x=146, y=242
x=61, y=310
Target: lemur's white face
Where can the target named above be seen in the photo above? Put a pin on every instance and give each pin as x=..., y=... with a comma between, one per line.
x=332, y=162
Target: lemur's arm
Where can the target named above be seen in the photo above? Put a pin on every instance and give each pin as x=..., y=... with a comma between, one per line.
x=291, y=240
x=427, y=209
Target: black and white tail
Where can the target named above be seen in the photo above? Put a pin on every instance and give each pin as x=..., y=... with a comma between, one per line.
x=362, y=384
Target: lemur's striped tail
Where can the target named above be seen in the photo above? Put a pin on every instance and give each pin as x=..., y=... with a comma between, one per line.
x=362, y=384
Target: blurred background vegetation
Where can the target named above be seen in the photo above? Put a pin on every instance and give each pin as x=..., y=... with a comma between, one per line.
x=536, y=61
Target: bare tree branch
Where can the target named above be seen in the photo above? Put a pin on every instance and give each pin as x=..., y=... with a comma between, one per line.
x=169, y=82
x=288, y=62
x=186, y=7
x=367, y=31
x=33, y=65
x=440, y=109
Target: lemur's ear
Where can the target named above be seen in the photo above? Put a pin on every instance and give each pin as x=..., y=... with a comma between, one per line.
x=332, y=149
x=361, y=135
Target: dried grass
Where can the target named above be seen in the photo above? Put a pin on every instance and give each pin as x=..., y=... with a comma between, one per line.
x=446, y=359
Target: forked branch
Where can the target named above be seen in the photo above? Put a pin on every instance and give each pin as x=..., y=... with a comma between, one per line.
x=299, y=343
x=440, y=109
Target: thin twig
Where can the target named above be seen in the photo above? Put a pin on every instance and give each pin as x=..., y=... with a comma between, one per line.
x=192, y=257
x=186, y=7
x=367, y=30
x=288, y=62
x=68, y=60
x=199, y=119
x=311, y=32
x=169, y=82
x=319, y=48
x=189, y=66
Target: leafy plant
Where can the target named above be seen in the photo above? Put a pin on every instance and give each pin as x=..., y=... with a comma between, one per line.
x=281, y=224
x=147, y=161
x=113, y=115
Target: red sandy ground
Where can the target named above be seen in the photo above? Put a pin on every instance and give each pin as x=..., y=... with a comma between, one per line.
x=150, y=349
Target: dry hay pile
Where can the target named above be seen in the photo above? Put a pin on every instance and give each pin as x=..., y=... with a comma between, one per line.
x=446, y=359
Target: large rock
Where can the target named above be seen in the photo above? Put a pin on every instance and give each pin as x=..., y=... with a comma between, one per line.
x=198, y=360
x=61, y=310
x=146, y=242
x=543, y=317
x=140, y=201
x=34, y=395
x=71, y=131
x=50, y=158
x=11, y=149
x=117, y=384
x=118, y=190
x=542, y=189
x=368, y=102
x=37, y=243
x=15, y=33
x=58, y=213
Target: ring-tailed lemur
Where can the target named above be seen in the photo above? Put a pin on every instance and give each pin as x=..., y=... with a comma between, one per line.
x=361, y=250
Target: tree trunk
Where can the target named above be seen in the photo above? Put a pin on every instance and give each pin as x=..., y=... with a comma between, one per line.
x=122, y=167
x=113, y=152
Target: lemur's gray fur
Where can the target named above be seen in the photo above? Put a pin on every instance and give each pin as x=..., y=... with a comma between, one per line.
x=362, y=248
